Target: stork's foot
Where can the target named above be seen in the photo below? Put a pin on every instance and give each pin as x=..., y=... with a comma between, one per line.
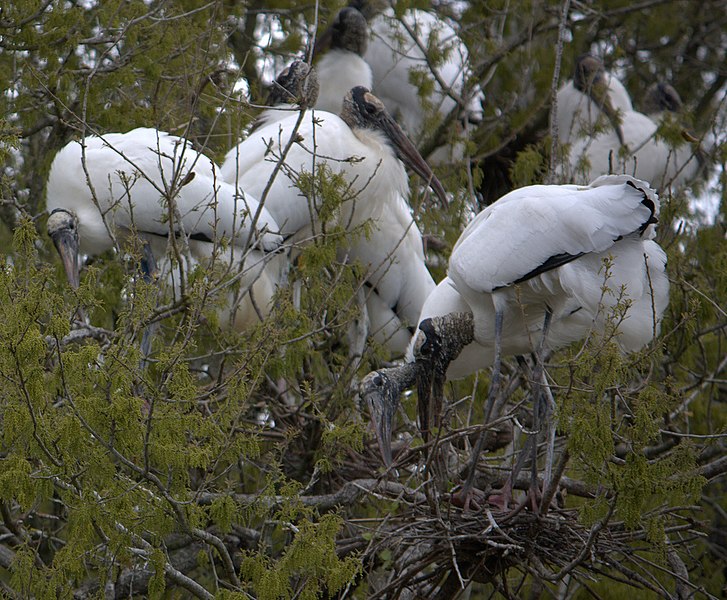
x=472, y=499
x=534, y=497
x=501, y=498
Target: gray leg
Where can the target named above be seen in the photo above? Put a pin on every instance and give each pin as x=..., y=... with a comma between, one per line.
x=464, y=495
x=150, y=272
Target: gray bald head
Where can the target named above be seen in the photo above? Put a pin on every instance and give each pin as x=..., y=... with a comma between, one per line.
x=589, y=71
x=363, y=110
x=63, y=230
x=661, y=97
x=381, y=390
x=350, y=31
x=296, y=84
x=441, y=339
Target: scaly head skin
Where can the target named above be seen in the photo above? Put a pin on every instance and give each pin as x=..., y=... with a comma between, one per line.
x=363, y=110
x=439, y=341
x=381, y=390
x=296, y=84
x=63, y=230
x=350, y=31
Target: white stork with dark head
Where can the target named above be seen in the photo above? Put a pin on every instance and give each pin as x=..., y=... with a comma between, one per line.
x=155, y=185
x=536, y=255
x=398, y=54
x=369, y=150
x=584, y=101
x=343, y=66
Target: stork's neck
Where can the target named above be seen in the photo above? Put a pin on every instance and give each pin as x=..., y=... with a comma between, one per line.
x=390, y=179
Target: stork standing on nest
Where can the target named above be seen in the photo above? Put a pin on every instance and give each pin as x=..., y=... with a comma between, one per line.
x=636, y=148
x=530, y=268
x=398, y=53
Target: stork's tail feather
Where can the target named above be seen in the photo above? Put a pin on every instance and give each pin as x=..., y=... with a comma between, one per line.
x=650, y=196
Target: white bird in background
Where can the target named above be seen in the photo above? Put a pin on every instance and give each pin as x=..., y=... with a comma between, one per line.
x=630, y=143
x=583, y=101
x=342, y=67
x=531, y=267
x=155, y=185
x=643, y=154
x=397, y=54
x=368, y=150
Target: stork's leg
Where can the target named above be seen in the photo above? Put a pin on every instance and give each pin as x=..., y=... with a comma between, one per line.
x=464, y=496
x=150, y=274
x=538, y=405
x=502, y=497
x=550, y=430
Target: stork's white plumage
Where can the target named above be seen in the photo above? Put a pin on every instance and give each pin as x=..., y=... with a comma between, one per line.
x=343, y=67
x=364, y=147
x=155, y=185
x=397, y=55
x=552, y=240
x=628, y=144
x=122, y=180
x=643, y=155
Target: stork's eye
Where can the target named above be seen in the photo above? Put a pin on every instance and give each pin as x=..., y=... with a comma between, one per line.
x=378, y=381
x=372, y=104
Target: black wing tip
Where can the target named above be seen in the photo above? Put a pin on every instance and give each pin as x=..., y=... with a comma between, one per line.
x=555, y=261
x=648, y=203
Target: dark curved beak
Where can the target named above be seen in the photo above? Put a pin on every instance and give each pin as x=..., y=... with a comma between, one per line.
x=66, y=243
x=410, y=156
x=598, y=92
x=382, y=411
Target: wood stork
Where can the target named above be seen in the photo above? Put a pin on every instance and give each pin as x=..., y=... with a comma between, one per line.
x=153, y=184
x=398, y=55
x=582, y=101
x=368, y=150
x=295, y=88
x=643, y=154
x=538, y=252
x=343, y=66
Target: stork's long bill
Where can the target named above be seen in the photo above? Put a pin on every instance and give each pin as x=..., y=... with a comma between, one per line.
x=381, y=390
x=63, y=230
x=371, y=112
x=381, y=408
x=591, y=80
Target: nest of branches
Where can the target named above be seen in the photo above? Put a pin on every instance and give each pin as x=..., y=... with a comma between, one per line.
x=429, y=548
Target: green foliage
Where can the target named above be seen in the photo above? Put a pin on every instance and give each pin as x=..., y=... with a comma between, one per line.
x=310, y=558
x=221, y=441
x=529, y=167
